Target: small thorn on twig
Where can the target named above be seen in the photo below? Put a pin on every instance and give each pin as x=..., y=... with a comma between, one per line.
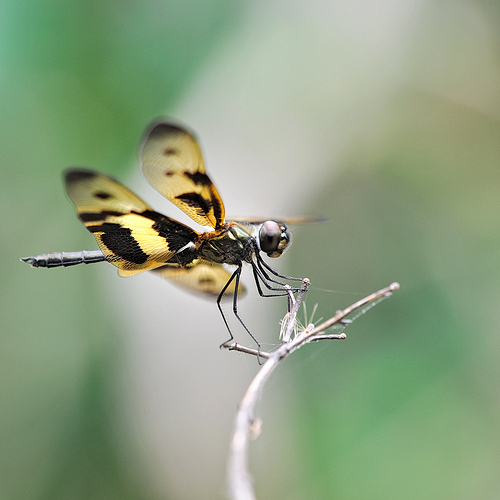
x=256, y=428
x=309, y=327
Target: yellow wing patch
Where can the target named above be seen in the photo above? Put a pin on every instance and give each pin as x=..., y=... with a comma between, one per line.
x=173, y=164
x=201, y=276
x=129, y=233
x=91, y=191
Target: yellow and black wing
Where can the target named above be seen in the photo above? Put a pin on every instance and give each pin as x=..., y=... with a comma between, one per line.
x=130, y=234
x=200, y=276
x=173, y=164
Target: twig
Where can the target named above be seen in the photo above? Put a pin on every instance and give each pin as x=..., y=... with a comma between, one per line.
x=239, y=479
x=295, y=309
x=247, y=350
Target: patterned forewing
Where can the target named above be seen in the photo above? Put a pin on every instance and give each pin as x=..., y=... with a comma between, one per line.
x=173, y=164
x=201, y=276
x=129, y=233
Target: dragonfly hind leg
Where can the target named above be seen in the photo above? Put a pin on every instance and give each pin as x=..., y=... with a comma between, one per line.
x=235, y=276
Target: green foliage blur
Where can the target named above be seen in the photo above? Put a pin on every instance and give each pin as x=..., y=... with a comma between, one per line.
x=385, y=119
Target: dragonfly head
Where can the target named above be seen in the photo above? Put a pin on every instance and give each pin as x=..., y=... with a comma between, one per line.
x=273, y=238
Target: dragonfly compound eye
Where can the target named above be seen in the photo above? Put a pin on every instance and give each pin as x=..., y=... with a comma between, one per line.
x=273, y=238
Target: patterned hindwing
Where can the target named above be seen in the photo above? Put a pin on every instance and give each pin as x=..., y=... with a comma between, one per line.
x=173, y=164
x=129, y=233
x=200, y=276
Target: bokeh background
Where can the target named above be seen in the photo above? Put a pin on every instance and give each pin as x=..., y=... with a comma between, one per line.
x=382, y=116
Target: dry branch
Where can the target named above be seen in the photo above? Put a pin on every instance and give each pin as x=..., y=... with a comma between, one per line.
x=239, y=479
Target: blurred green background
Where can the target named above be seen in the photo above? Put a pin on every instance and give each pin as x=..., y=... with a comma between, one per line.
x=382, y=116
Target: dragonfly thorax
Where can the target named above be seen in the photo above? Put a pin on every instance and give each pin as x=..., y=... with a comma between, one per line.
x=233, y=245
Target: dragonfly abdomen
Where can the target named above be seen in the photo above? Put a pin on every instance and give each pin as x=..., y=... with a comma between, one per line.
x=65, y=259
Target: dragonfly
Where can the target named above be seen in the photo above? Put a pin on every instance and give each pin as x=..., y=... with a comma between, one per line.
x=135, y=238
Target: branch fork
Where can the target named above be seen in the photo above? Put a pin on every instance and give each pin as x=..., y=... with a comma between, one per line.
x=246, y=425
